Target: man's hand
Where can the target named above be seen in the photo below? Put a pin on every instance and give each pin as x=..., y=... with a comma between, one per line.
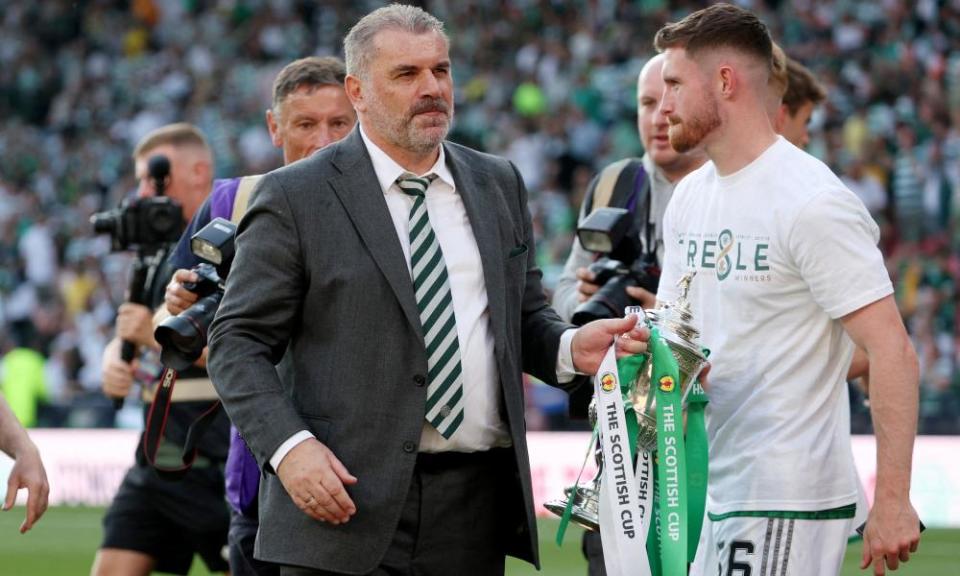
x=117, y=378
x=892, y=533
x=585, y=286
x=314, y=478
x=135, y=324
x=591, y=341
x=646, y=298
x=116, y=375
x=176, y=297
x=28, y=473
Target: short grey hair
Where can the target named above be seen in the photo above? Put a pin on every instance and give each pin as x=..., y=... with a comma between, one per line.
x=311, y=72
x=358, y=45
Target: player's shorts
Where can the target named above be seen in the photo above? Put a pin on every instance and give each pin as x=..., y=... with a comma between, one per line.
x=764, y=546
x=170, y=522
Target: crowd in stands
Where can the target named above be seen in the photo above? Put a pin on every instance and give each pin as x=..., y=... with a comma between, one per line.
x=548, y=84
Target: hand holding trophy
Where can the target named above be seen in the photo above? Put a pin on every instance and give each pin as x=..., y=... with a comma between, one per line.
x=642, y=403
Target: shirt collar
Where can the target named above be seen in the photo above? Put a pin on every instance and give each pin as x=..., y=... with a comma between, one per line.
x=652, y=169
x=387, y=169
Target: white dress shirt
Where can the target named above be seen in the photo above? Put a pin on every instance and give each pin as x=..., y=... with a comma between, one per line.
x=483, y=426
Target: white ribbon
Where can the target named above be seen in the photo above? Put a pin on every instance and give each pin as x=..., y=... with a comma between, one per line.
x=624, y=514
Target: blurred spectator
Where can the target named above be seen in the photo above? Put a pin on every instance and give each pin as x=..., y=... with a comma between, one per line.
x=865, y=185
x=22, y=381
x=38, y=252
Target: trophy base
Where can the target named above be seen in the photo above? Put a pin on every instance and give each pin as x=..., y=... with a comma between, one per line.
x=586, y=507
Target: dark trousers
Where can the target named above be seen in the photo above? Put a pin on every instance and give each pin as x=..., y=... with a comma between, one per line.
x=593, y=552
x=242, y=536
x=452, y=520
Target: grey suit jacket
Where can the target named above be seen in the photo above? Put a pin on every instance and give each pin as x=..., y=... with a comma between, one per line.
x=319, y=269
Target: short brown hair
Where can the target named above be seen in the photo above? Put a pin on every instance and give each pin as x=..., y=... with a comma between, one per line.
x=718, y=26
x=779, y=80
x=313, y=71
x=802, y=87
x=178, y=135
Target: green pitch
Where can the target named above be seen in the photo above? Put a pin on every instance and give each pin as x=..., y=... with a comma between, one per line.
x=64, y=541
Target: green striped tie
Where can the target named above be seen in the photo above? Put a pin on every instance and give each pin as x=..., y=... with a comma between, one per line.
x=437, y=320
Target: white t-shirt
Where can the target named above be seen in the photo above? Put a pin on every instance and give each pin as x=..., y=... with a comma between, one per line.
x=783, y=250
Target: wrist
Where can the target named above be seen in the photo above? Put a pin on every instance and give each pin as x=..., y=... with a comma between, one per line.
x=891, y=492
x=23, y=446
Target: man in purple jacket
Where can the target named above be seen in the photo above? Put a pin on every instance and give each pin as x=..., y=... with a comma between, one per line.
x=310, y=110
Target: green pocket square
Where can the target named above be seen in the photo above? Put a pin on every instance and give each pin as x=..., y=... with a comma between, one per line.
x=517, y=250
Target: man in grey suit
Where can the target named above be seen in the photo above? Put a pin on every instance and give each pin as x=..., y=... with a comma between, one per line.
x=399, y=270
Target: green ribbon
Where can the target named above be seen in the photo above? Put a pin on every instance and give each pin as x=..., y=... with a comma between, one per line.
x=671, y=457
x=697, y=469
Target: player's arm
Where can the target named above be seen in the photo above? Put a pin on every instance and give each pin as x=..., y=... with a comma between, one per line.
x=27, y=471
x=892, y=530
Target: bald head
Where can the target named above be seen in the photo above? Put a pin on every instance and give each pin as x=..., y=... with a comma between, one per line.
x=653, y=66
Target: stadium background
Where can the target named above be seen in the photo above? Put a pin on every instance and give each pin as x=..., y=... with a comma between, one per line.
x=550, y=85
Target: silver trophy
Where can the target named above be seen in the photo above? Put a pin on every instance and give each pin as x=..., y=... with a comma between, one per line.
x=674, y=323
x=673, y=320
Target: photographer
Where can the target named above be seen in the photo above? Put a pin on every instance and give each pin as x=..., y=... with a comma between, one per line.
x=154, y=523
x=310, y=110
x=662, y=168
x=649, y=183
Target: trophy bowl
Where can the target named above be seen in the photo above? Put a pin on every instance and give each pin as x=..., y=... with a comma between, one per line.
x=674, y=322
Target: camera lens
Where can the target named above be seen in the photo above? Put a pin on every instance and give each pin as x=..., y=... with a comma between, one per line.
x=183, y=337
x=608, y=302
x=104, y=222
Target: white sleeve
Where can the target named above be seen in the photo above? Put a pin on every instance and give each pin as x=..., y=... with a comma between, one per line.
x=288, y=445
x=834, y=245
x=566, y=297
x=565, y=370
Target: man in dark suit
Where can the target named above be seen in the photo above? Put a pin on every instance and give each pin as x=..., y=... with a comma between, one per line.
x=399, y=270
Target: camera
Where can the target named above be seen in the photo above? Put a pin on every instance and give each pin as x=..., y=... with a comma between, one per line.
x=183, y=337
x=612, y=233
x=145, y=223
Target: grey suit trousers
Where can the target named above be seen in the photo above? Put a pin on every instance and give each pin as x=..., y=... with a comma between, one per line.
x=449, y=519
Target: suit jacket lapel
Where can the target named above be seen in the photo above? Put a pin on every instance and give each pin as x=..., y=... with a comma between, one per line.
x=361, y=196
x=483, y=213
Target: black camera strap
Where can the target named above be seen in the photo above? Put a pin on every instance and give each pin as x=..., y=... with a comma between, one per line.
x=640, y=193
x=157, y=424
